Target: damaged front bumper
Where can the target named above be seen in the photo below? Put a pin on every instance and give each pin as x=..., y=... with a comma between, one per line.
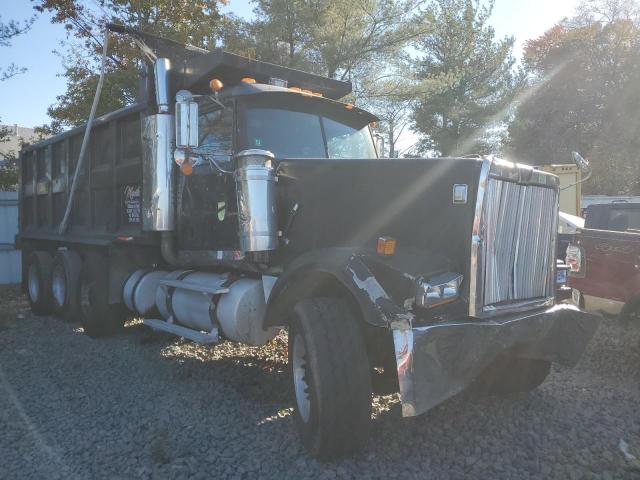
x=438, y=361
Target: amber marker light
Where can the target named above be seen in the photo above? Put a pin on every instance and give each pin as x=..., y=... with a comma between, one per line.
x=307, y=92
x=348, y=106
x=295, y=89
x=248, y=80
x=216, y=85
x=186, y=169
x=386, y=246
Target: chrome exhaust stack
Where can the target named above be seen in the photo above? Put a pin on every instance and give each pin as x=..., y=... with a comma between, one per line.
x=158, y=212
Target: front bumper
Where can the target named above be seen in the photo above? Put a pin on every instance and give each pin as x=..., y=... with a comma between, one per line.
x=438, y=361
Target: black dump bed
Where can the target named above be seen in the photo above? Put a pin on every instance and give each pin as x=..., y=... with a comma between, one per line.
x=107, y=202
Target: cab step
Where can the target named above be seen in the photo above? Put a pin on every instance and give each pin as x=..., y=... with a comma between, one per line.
x=180, y=331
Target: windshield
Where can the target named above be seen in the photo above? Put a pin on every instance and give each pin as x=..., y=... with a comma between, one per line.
x=296, y=134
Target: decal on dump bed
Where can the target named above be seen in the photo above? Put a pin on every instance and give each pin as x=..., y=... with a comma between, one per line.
x=131, y=204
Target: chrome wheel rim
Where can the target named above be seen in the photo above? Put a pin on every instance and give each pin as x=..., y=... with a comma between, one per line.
x=33, y=284
x=58, y=286
x=300, y=384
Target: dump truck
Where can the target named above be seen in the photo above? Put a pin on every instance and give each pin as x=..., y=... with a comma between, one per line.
x=238, y=198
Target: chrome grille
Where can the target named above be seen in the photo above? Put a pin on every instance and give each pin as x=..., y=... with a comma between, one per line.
x=513, y=241
x=519, y=223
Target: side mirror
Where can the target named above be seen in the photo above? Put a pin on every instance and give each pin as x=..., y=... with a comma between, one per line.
x=582, y=163
x=186, y=120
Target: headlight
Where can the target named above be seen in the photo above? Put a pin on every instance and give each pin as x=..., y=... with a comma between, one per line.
x=438, y=290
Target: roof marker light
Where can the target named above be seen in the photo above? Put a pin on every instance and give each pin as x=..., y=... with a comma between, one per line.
x=248, y=80
x=216, y=84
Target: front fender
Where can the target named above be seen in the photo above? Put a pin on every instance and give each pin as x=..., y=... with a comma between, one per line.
x=382, y=288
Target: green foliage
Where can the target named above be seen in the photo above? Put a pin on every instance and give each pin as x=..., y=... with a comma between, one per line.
x=585, y=96
x=8, y=168
x=336, y=38
x=196, y=23
x=8, y=31
x=467, y=77
x=9, y=176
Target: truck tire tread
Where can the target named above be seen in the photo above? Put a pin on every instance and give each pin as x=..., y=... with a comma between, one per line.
x=43, y=263
x=340, y=378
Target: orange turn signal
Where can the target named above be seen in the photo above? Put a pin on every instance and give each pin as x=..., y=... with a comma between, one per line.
x=386, y=246
x=248, y=80
x=186, y=169
x=348, y=106
x=216, y=84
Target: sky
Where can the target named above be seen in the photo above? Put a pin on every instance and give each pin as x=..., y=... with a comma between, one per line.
x=25, y=98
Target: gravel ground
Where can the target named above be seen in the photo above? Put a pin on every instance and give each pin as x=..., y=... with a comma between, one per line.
x=145, y=405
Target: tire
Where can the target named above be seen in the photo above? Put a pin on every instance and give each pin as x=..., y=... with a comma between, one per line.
x=99, y=318
x=512, y=375
x=38, y=282
x=331, y=378
x=65, y=280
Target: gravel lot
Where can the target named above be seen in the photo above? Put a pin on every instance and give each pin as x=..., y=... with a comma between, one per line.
x=145, y=405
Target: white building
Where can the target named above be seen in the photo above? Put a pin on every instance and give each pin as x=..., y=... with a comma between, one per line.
x=17, y=135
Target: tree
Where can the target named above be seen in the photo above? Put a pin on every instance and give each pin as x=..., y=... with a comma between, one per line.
x=8, y=31
x=336, y=38
x=467, y=78
x=585, y=96
x=391, y=96
x=8, y=167
x=197, y=23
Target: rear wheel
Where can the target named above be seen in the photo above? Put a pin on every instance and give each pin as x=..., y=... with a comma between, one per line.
x=38, y=283
x=99, y=318
x=512, y=374
x=330, y=377
x=65, y=278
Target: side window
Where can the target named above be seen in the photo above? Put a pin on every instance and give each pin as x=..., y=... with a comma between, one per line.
x=215, y=130
x=623, y=219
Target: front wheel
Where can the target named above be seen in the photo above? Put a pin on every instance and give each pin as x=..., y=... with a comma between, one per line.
x=330, y=378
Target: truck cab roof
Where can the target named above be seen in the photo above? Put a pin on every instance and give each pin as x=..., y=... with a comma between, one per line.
x=292, y=96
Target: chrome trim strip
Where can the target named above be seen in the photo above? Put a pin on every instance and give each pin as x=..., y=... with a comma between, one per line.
x=476, y=270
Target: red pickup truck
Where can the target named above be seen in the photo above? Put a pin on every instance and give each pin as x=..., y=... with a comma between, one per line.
x=604, y=260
